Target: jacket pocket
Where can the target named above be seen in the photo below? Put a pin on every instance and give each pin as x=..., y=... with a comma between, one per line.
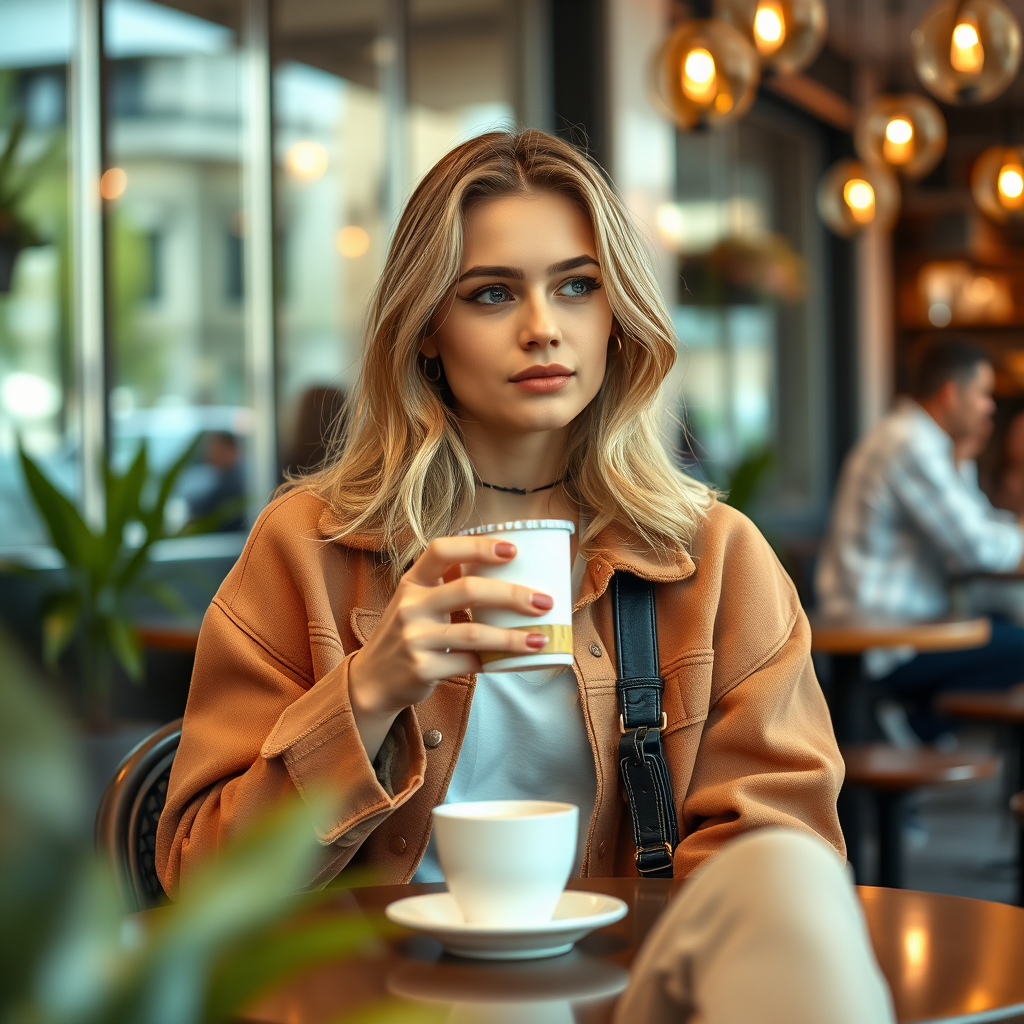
x=687, y=695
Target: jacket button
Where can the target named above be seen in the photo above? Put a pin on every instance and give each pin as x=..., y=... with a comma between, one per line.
x=595, y=650
x=397, y=845
x=432, y=738
x=602, y=848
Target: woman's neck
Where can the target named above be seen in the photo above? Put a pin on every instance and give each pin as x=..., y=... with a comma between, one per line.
x=525, y=461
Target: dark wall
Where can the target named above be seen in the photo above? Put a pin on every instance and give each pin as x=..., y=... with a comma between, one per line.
x=578, y=68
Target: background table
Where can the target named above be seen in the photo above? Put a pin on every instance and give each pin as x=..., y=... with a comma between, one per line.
x=846, y=639
x=945, y=958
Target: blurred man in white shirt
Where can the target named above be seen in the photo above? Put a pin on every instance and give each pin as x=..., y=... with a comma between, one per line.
x=905, y=523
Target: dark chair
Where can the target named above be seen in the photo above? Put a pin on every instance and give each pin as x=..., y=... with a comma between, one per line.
x=128, y=814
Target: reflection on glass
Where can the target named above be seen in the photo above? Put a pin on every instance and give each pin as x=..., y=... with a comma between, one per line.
x=36, y=365
x=175, y=230
x=747, y=237
x=334, y=116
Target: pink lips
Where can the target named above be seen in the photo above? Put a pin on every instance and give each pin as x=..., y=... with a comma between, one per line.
x=549, y=377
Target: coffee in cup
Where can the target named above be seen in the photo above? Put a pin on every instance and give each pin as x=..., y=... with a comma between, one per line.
x=506, y=862
x=542, y=563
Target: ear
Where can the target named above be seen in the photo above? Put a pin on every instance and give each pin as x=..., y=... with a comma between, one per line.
x=949, y=394
x=428, y=347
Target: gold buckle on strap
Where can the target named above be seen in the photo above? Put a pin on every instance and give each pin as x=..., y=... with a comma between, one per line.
x=622, y=724
x=667, y=847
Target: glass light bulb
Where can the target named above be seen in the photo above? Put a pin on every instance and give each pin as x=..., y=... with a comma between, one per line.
x=898, y=145
x=966, y=54
x=699, y=77
x=860, y=198
x=1010, y=184
x=769, y=27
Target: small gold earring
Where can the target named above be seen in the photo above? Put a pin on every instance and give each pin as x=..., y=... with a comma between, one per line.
x=436, y=363
x=619, y=340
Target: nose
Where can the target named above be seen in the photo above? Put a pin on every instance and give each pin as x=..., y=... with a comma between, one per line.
x=539, y=327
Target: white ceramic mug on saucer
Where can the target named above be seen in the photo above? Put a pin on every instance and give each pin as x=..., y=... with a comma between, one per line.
x=506, y=862
x=542, y=563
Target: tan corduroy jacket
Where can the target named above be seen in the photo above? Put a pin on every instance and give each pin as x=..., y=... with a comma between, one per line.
x=749, y=742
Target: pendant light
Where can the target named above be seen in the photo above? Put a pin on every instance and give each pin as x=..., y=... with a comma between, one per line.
x=853, y=195
x=997, y=182
x=704, y=74
x=907, y=133
x=787, y=34
x=966, y=51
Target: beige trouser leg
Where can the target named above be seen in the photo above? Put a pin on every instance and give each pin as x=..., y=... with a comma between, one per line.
x=767, y=932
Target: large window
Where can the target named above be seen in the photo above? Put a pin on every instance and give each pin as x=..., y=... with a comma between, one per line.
x=748, y=309
x=367, y=97
x=37, y=394
x=211, y=198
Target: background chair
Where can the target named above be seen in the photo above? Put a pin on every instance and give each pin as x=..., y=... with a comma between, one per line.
x=128, y=814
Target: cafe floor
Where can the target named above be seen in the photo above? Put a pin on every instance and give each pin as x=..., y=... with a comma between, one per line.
x=960, y=840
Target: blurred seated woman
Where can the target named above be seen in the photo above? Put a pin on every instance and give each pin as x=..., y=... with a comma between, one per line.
x=515, y=348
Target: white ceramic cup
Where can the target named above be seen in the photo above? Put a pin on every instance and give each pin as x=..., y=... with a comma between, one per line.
x=542, y=563
x=506, y=862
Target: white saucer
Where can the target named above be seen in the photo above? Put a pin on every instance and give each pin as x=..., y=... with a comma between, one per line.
x=437, y=914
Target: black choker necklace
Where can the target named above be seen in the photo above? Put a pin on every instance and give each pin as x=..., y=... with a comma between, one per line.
x=520, y=490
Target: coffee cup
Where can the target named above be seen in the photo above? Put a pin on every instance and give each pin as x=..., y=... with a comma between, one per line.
x=541, y=563
x=506, y=862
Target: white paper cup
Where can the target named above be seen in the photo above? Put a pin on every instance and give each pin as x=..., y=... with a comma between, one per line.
x=506, y=862
x=541, y=563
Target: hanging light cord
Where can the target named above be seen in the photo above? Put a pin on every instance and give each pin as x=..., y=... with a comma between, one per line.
x=520, y=490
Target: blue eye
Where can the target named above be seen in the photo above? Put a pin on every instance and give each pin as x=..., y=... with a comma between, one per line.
x=577, y=287
x=492, y=295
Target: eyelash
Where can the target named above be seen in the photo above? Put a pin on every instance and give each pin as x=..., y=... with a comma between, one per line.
x=592, y=284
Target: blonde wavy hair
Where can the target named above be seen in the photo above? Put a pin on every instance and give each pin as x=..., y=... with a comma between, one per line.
x=398, y=469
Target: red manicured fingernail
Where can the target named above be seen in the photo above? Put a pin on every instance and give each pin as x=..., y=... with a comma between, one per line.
x=536, y=640
x=542, y=601
x=503, y=549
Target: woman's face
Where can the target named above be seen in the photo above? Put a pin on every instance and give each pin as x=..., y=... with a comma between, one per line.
x=524, y=338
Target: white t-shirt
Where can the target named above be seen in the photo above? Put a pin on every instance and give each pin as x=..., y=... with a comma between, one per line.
x=525, y=740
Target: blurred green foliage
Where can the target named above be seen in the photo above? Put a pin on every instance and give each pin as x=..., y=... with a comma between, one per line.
x=67, y=954
x=742, y=483
x=105, y=570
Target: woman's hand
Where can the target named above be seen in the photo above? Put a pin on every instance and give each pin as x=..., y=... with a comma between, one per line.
x=416, y=644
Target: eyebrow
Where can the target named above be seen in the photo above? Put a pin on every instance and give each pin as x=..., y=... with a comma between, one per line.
x=517, y=274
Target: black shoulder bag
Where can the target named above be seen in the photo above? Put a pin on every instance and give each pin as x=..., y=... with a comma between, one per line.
x=641, y=761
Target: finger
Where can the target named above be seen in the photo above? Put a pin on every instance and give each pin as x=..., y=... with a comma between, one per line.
x=477, y=636
x=444, y=552
x=481, y=592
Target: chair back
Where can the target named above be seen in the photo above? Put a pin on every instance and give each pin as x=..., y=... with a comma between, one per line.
x=128, y=814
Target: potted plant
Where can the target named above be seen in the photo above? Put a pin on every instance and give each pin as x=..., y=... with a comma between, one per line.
x=17, y=179
x=106, y=571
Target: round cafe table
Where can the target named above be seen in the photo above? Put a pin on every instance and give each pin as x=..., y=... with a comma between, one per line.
x=945, y=958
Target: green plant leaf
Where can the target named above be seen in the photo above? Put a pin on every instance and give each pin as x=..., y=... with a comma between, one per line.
x=60, y=614
x=123, y=498
x=168, y=597
x=153, y=517
x=127, y=646
x=67, y=529
x=8, y=156
x=227, y=509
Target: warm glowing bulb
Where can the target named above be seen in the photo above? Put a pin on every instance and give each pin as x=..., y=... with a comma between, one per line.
x=966, y=54
x=769, y=27
x=307, y=160
x=899, y=130
x=352, y=241
x=113, y=183
x=860, y=198
x=898, y=146
x=1010, y=185
x=699, y=77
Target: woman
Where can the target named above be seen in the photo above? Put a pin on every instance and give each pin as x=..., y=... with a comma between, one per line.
x=515, y=348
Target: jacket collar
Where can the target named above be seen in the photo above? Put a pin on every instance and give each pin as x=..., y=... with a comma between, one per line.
x=615, y=548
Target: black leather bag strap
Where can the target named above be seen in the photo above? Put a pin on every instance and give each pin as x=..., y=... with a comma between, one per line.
x=645, y=775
